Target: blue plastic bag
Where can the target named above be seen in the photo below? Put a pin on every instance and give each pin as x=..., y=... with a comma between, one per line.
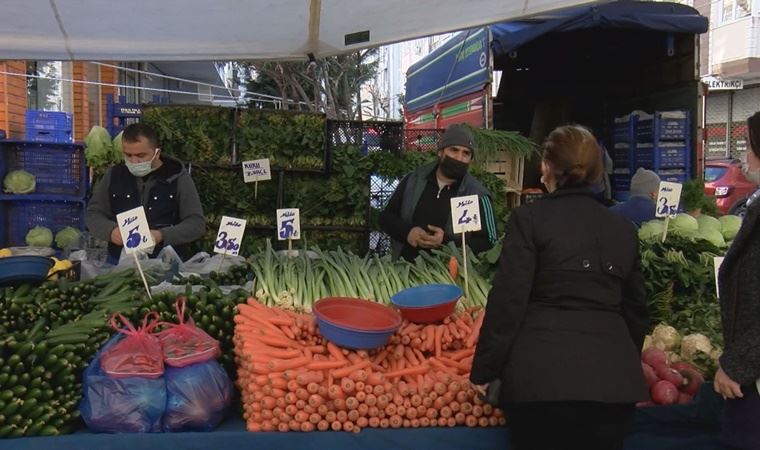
x=121, y=405
x=198, y=397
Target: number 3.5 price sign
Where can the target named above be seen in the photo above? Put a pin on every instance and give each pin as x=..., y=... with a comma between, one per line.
x=135, y=231
x=230, y=236
x=465, y=213
x=668, y=198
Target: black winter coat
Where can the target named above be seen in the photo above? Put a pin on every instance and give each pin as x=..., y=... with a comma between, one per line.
x=567, y=314
x=739, y=281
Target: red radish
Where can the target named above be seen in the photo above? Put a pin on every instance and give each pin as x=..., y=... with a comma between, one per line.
x=684, y=398
x=682, y=365
x=693, y=381
x=645, y=404
x=664, y=393
x=649, y=374
x=654, y=357
x=668, y=374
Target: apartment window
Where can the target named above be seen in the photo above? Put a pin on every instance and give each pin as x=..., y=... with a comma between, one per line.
x=735, y=9
x=45, y=93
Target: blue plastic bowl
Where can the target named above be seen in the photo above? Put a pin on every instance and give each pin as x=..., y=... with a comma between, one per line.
x=16, y=270
x=354, y=339
x=428, y=303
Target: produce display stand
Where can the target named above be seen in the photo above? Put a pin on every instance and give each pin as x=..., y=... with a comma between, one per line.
x=693, y=427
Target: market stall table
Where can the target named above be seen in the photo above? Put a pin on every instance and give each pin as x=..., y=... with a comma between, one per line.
x=694, y=426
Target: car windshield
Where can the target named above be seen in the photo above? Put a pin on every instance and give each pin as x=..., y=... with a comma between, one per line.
x=713, y=173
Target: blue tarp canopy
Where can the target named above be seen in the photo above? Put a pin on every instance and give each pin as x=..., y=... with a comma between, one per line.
x=631, y=15
x=459, y=67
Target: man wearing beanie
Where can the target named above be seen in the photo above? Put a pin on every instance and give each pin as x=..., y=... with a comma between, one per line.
x=418, y=214
x=640, y=207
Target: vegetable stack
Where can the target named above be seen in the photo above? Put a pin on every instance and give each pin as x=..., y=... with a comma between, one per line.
x=292, y=379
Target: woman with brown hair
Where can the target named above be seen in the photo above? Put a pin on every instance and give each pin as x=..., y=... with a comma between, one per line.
x=567, y=313
x=738, y=376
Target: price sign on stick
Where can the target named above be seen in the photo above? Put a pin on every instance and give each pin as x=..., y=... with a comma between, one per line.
x=230, y=236
x=668, y=198
x=465, y=216
x=288, y=224
x=135, y=233
x=465, y=213
x=255, y=171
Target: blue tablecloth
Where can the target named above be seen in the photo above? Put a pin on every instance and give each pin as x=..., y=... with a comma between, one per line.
x=695, y=427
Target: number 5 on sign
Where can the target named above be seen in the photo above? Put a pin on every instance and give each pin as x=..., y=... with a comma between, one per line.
x=288, y=224
x=134, y=230
x=230, y=236
x=465, y=213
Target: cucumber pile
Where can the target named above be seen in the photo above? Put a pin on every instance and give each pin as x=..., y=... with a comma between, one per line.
x=50, y=333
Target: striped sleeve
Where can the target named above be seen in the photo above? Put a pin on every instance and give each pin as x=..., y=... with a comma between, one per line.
x=487, y=218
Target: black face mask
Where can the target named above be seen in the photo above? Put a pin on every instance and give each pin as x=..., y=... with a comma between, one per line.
x=452, y=168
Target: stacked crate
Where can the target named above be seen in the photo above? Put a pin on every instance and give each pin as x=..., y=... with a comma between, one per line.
x=660, y=142
x=663, y=144
x=49, y=126
x=61, y=185
x=624, y=143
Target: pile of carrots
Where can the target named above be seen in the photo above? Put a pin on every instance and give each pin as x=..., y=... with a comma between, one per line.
x=292, y=379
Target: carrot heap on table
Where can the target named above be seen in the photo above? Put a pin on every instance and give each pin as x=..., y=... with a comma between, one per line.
x=292, y=379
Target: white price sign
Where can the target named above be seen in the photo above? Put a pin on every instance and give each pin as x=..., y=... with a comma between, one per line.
x=288, y=224
x=230, y=236
x=135, y=231
x=256, y=170
x=465, y=213
x=668, y=198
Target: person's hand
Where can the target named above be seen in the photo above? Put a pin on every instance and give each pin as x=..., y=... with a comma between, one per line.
x=158, y=237
x=432, y=239
x=414, y=236
x=725, y=386
x=481, y=388
x=116, y=237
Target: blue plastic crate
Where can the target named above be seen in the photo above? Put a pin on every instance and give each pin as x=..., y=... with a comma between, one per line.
x=674, y=176
x=622, y=155
x=664, y=156
x=663, y=126
x=49, y=136
x=60, y=169
x=48, y=120
x=18, y=217
x=624, y=128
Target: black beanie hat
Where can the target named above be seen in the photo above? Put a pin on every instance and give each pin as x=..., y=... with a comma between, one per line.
x=457, y=134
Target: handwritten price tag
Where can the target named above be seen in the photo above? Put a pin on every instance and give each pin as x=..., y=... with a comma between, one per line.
x=256, y=170
x=288, y=224
x=668, y=198
x=465, y=213
x=135, y=231
x=230, y=236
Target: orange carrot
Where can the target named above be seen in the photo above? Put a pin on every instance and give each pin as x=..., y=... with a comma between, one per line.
x=335, y=352
x=345, y=371
x=473, y=338
x=414, y=370
x=453, y=268
x=325, y=365
x=305, y=378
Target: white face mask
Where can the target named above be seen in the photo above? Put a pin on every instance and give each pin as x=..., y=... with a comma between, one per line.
x=752, y=175
x=142, y=168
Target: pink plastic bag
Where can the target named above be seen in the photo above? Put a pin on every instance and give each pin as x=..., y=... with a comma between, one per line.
x=184, y=343
x=138, y=354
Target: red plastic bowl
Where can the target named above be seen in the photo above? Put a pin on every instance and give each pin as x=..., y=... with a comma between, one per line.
x=357, y=314
x=427, y=303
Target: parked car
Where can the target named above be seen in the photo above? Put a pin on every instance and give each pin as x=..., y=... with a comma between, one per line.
x=724, y=180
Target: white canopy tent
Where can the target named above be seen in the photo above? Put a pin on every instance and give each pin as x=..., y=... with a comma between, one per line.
x=195, y=30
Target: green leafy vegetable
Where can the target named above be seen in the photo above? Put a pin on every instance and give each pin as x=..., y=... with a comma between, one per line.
x=39, y=237
x=19, y=182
